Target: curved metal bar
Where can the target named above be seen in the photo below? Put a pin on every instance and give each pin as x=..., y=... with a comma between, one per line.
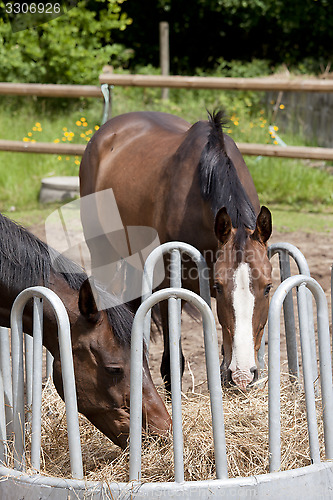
x=213, y=376
x=286, y=250
x=67, y=375
x=332, y=297
x=325, y=368
x=6, y=377
x=36, y=383
x=148, y=275
x=49, y=364
x=174, y=318
x=294, y=252
x=107, y=109
x=3, y=434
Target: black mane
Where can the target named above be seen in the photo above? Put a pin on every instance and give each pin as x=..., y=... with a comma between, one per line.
x=26, y=261
x=219, y=182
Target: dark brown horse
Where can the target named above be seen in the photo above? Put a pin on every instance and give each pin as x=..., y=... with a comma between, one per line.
x=191, y=184
x=100, y=338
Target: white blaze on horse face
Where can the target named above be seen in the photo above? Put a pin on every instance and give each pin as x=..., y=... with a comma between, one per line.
x=243, y=346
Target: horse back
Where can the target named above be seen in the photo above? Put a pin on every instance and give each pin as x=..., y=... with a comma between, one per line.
x=131, y=154
x=127, y=143
x=150, y=161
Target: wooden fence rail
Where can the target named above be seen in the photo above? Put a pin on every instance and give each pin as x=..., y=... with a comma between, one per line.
x=50, y=90
x=258, y=84
x=245, y=149
x=43, y=148
x=205, y=82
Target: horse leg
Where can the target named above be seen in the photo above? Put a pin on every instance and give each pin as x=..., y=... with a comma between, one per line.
x=165, y=364
x=226, y=359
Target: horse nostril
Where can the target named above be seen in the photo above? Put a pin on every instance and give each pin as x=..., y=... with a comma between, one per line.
x=255, y=371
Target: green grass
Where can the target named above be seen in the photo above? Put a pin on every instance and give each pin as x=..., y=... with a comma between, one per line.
x=301, y=195
x=289, y=219
x=291, y=182
x=21, y=173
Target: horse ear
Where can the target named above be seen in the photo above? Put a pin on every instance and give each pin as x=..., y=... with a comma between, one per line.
x=263, y=228
x=222, y=226
x=87, y=303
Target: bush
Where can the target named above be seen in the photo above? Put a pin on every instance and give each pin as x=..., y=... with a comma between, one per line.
x=72, y=48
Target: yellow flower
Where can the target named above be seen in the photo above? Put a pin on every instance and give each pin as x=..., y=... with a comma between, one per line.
x=89, y=132
x=96, y=127
x=38, y=124
x=26, y=139
x=82, y=135
x=67, y=158
x=262, y=125
x=39, y=129
x=69, y=138
x=33, y=140
x=87, y=139
x=282, y=106
x=66, y=134
x=56, y=141
x=34, y=129
x=85, y=124
x=29, y=134
x=264, y=121
x=236, y=123
x=275, y=142
x=78, y=123
x=59, y=157
x=63, y=139
x=276, y=128
x=71, y=134
x=229, y=131
x=65, y=129
x=77, y=162
x=83, y=119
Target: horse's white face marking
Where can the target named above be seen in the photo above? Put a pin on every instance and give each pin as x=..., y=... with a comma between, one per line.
x=243, y=358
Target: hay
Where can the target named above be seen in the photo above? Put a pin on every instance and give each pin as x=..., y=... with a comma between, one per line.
x=246, y=427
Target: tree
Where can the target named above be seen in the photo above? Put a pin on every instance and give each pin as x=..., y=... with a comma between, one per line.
x=203, y=31
x=72, y=48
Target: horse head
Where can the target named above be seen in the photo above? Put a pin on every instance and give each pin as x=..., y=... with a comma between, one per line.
x=101, y=355
x=242, y=279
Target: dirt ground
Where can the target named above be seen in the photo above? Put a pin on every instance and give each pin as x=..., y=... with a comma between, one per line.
x=317, y=249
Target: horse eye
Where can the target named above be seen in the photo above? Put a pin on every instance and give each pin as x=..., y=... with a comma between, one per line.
x=218, y=287
x=268, y=289
x=114, y=370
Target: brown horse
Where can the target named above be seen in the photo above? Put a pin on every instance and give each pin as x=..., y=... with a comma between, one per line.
x=191, y=184
x=100, y=338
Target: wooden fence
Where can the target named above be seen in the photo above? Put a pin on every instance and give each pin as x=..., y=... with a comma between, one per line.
x=217, y=83
x=50, y=90
x=257, y=84
x=245, y=149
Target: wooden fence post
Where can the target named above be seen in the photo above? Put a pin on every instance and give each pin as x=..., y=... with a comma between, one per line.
x=164, y=55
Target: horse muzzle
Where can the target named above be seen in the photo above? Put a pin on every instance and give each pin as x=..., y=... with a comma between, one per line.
x=244, y=378
x=227, y=378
